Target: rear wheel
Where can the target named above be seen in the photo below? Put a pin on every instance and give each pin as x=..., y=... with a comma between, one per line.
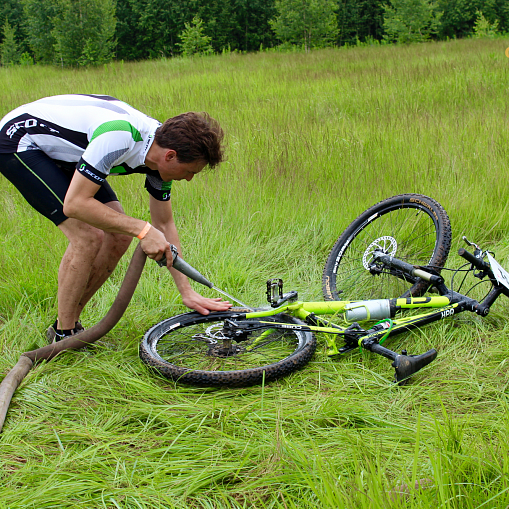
x=410, y=227
x=194, y=349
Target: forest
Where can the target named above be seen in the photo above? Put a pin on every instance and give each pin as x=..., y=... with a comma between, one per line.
x=87, y=32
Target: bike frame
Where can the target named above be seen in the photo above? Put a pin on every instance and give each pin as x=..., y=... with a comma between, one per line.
x=441, y=307
x=305, y=310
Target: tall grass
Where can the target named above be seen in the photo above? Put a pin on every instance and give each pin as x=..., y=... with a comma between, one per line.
x=314, y=139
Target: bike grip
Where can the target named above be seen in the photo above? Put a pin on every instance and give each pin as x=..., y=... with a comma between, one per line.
x=476, y=262
x=407, y=365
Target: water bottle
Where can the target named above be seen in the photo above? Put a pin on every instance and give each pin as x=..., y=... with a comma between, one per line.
x=367, y=310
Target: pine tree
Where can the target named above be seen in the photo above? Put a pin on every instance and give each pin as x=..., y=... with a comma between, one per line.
x=194, y=41
x=9, y=52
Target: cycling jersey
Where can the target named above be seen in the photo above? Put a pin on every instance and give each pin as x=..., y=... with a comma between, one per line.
x=103, y=135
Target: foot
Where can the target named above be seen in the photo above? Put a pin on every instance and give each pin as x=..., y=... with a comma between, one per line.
x=53, y=334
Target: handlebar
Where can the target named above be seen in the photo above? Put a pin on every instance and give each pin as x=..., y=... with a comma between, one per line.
x=407, y=365
x=478, y=263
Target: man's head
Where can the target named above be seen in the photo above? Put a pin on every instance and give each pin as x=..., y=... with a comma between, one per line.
x=193, y=136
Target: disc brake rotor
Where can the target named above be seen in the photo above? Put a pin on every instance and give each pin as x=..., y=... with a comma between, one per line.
x=386, y=244
x=212, y=335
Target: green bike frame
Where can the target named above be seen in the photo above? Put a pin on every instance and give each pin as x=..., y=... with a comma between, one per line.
x=308, y=311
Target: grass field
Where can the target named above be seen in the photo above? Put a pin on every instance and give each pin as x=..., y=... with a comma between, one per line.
x=313, y=140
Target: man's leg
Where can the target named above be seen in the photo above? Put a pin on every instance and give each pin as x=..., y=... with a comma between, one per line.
x=89, y=260
x=113, y=247
x=92, y=254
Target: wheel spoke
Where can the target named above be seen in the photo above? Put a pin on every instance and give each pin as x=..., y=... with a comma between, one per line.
x=409, y=227
x=188, y=347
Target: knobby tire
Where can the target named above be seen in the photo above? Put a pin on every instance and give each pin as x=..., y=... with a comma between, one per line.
x=181, y=348
x=411, y=227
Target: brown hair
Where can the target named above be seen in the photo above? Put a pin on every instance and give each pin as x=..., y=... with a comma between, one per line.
x=193, y=136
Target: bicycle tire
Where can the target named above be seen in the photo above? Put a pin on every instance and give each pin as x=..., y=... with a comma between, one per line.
x=179, y=348
x=411, y=227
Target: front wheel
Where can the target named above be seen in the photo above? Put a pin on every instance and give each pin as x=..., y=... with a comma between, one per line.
x=411, y=227
x=194, y=349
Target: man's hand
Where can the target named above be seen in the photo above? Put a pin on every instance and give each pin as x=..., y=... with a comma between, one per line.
x=204, y=305
x=155, y=246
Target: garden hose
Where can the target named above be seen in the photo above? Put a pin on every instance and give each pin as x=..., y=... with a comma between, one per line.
x=13, y=379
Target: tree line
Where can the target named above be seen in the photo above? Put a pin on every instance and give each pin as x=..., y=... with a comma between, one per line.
x=84, y=32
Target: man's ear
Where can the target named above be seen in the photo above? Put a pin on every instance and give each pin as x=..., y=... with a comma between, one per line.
x=170, y=154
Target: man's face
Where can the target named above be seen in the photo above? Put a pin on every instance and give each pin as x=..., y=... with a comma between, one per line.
x=171, y=169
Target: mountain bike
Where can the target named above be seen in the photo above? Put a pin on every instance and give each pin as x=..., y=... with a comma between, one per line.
x=384, y=268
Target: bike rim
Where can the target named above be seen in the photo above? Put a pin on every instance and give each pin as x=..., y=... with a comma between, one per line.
x=201, y=346
x=408, y=233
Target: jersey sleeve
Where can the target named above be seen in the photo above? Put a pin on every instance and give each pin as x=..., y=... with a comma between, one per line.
x=157, y=187
x=109, y=143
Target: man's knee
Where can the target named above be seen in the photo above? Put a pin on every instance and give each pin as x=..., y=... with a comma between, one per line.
x=119, y=244
x=88, y=242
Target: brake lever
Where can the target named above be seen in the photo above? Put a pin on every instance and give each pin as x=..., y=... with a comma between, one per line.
x=472, y=244
x=479, y=254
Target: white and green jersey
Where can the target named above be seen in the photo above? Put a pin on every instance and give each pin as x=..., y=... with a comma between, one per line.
x=103, y=135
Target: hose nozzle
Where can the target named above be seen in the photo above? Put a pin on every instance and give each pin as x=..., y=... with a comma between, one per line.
x=185, y=268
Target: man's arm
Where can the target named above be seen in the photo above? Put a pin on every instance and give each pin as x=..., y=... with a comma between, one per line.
x=162, y=218
x=80, y=204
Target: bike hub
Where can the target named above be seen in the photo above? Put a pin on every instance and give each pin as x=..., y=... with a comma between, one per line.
x=386, y=244
x=223, y=351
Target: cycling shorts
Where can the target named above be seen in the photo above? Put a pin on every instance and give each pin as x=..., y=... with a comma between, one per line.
x=43, y=182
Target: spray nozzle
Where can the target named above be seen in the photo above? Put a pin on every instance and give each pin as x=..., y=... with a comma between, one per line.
x=185, y=268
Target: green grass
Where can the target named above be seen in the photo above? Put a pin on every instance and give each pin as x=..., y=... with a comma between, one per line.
x=314, y=139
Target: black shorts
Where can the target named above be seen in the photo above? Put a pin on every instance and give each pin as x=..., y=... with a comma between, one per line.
x=43, y=182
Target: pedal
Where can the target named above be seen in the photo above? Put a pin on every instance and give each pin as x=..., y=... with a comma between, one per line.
x=274, y=291
x=275, y=295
